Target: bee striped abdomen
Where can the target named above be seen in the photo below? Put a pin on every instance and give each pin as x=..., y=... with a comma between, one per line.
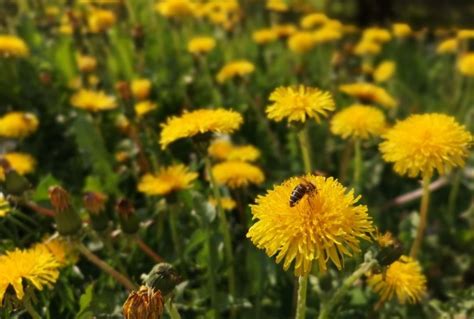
x=299, y=191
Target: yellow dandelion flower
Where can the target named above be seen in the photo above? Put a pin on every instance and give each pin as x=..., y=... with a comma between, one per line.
x=100, y=20
x=403, y=279
x=264, y=36
x=94, y=101
x=367, y=93
x=358, y=121
x=385, y=239
x=201, y=121
x=222, y=13
x=227, y=203
x=312, y=20
x=201, y=45
x=325, y=35
x=401, y=30
x=299, y=103
x=144, y=107
x=464, y=34
x=236, y=174
x=466, y=64
x=12, y=46
x=20, y=162
x=447, y=46
x=424, y=143
x=86, y=63
x=141, y=88
x=224, y=150
x=239, y=68
x=284, y=30
x=365, y=47
x=35, y=266
x=323, y=225
x=176, y=8
x=4, y=205
x=376, y=34
x=169, y=179
x=301, y=42
x=57, y=247
x=276, y=5
x=350, y=29
x=18, y=124
x=384, y=71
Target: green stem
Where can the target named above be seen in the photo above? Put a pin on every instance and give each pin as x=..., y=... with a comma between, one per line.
x=301, y=301
x=327, y=307
x=211, y=269
x=174, y=230
x=305, y=144
x=357, y=164
x=453, y=194
x=425, y=199
x=172, y=311
x=29, y=308
x=225, y=229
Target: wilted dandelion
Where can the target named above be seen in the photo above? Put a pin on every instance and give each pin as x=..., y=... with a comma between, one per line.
x=146, y=303
x=201, y=45
x=299, y=103
x=358, y=121
x=13, y=46
x=324, y=225
x=199, y=122
x=367, y=93
x=20, y=162
x=238, y=68
x=236, y=174
x=18, y=124
x=167, y=180
x=403, y=279
x=33, y=266
x=94, y=101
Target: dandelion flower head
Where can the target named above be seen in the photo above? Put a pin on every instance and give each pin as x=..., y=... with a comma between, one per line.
x=176, y=8
x=201, y=121
x=20, y=162
x=18, y=124
x=301, y=42
x=4, y=205
x=358, y=121
x=277, y=5
x=299, y=103
x=424, y=143
x=312, y=20
x=222, y=150
x=169, y=179
x=264, y=36
x=93, y=101
x=367, y=92
x=201, y=45
x=12, y=46
x=141, y=88
x=236, y=174
x=466, y=64
x=144, y=107
x=227, y=203
x=239, y=68
x=401, y=30
x=324, y=225
x=403, y=279
x=384, y=71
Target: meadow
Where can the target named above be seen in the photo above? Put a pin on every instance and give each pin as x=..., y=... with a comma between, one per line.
x=232, y=159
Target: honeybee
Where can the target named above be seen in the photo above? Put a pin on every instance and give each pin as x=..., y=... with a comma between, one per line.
x=303, y=188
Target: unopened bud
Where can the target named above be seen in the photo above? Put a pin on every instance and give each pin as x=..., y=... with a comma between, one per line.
x=128, y=220
x=145, y=303
x=15, y=183
x=94, y=203
x=67, y=220
x=163, y=277
x=124, y=90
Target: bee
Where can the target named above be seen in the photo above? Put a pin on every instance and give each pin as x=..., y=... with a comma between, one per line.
x=303, y=188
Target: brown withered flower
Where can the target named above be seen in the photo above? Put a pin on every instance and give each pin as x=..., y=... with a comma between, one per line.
x=146, y=303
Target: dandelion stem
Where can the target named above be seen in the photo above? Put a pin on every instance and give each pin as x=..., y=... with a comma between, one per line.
x=301, y=301
x=172, y=311
x=453, y=194
x=357, y=164
x=147, y=250
x=29, y=308
x=305, y=144
x=423, y=217
x=122, y=279
x=327, y=307
x=174, y=231
x=224, y=228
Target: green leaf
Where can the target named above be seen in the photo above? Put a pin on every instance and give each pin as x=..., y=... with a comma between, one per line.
x=41, y=192
x=85, y=302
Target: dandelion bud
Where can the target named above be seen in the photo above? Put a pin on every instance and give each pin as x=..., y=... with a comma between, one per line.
x=124, y=90
x=15, y=183
x=128, y=220
x=67, y=220
x=145, y=303
x=163, y=277
x=94, y=202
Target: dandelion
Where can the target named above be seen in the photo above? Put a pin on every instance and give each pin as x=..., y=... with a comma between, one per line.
x=324, y=225
x=201, y=45
x=222, y=13
x=358, y=121
x=378, y=35
x=365, y=47
x=169, y=179
x=299, y=103
x=284, y=30
x=384, y=71
x=33, y=266
x=18, y=124
x=301, y=42
x=144, y=107
x=424, y=143
x=20, y=162
x=58, y=248
x=403, y=279
x=465, y=34
x=447, y=46
x=225, y=150
x=93, y=101
x=146, y=303
x=100, y=20
x=141, y=88
x=227, y=203
x=325, y=35
x=86, y=63
x=367, y=93
x=199, y=122
x=401, y=30
x=264, y=36
x=176, y=8
x=13, y=46
x=236, y=174
x=466, y=64
x=238, y=68
x=4, y=205
x=277, y=5
x=313, y=20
